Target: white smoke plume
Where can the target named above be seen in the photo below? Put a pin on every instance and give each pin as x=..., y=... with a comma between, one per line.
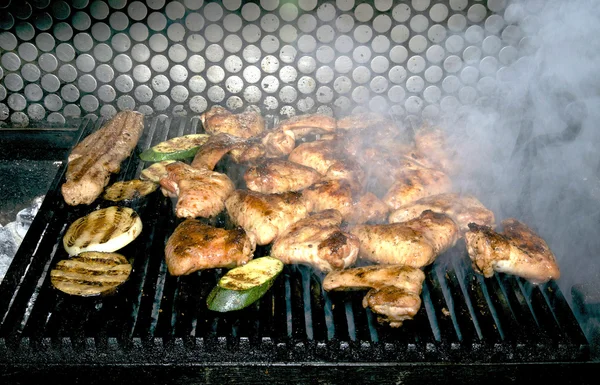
x=523, y=152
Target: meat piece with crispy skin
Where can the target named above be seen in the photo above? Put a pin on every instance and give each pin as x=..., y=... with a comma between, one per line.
x=274, y=176
x=431, y=142
x=462, y=208
x=245, y=125
x=99, y=155
x=412, y=184
x=339, y=194
x=196, y=246
x=415, y=243
x=265, y=215
x=303, y=125
x=200, y=192
x=517, y=250
x=317, y=241
x=394, y=290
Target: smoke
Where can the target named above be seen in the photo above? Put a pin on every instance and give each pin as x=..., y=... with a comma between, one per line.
x=529, y=149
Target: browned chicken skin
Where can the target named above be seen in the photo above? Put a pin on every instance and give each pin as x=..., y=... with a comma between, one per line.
x=317, y=241
x=195, y=246
x=245, y=125
x=99, y=155
x=431, y=141
x=517, y=250
x=462, y=208
x=414, y=243
x=265, y=216
x=303, y=125
x=394, y=293
x=200, y=192
x=274, y=176
x=338, y=194
x=412, y=184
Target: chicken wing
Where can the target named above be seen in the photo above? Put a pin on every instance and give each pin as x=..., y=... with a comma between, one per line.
x=265, y=215
x=303, y=125
x=245, y=125
x=338, y=194
x=317, y=241
x=215, y=148
x=195, y=246
x=414, y=243
x=431, y=141
x=199, y=192
x=274, y=176
x=412, y=184
x=463, y=209
x=517, y=250
x=394, y=293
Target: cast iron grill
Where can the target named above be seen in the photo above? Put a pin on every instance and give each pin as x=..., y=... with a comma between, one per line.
x=155, y=318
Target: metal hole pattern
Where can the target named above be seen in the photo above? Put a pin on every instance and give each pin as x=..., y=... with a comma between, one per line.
x=61, y=60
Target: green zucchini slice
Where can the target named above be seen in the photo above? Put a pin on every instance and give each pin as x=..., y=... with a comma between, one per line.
x=179, y=148
x=243, y=285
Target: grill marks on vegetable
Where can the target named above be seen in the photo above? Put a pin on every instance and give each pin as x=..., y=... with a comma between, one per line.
x=90, y=273
x=102, y=227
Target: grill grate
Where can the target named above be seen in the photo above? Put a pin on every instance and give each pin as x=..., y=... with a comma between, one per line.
x=157, y=318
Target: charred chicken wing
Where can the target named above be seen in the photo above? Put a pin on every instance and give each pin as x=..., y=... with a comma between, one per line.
x=517, y=250
x=195, y=246
x=274, y=176
x=317, y=241
x=394, y=290
x=414, y=243
x=338, y=194
x=199, y=192
x=265, y=216
x=463, y=209
x=245, y=125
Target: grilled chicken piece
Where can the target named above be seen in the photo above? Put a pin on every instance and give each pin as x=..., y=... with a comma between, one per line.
x=265, y=215
x=415, y=183
x=394, y=293
x=317, y=241
x=215, y=148
x=320, y=155
x=99, y=155
x=414, y=243
x=431, y=142
x=463, y=209
x=199, y=192
x=303, y=125
x=274, y=176
x=272, y=144
x=517, y=250
x=338, y=194
x=196, y=246
x=245, y=125
x=329, y=158
x=361, y=121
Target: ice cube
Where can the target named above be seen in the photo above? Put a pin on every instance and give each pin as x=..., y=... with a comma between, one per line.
x=24, y=219
x=16, y=233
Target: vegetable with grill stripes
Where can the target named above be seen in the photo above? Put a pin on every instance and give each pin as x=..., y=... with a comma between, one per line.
x=243, y=285
x=90, y=273
x=129, y=190
x=179, y=148
x=107, y=230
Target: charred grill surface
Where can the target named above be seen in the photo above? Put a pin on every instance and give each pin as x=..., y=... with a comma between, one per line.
x=158, y=318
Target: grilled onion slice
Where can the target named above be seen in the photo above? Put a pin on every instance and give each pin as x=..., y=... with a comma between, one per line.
x=90, y=273
x=155, y=171
x=108, y=230
x=129, y=189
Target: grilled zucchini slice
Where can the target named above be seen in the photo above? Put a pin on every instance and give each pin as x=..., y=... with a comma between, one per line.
x=155, y=171
x=129, y=189
x=107, y=230
x=90, y=273
x=243, y=285
x=179, y=148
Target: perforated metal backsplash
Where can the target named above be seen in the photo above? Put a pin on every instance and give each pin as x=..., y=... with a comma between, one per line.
x=64, y=59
